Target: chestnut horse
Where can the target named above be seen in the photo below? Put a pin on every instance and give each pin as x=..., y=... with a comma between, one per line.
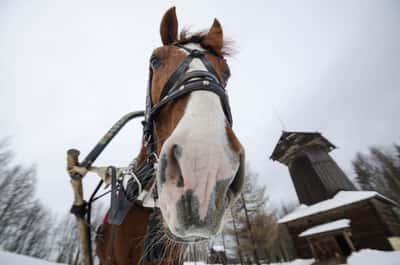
x=200, y=166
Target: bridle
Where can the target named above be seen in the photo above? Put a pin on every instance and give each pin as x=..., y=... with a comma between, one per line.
x=180, y=83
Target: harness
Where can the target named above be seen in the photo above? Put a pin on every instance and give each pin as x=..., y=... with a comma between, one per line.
x=181, y=82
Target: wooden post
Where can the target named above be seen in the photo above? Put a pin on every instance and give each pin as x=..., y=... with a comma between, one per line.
x=84, y=232
x=348, y=240
x=76, y=182
x=309, y=240
x=249, y=227
x=237, y=238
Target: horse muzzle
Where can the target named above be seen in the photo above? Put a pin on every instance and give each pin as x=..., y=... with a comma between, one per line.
x=194, y=208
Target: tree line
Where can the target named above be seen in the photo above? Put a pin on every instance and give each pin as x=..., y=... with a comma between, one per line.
x=27, y=226
x=251, y=228
x=251, y=234
x=379, y=170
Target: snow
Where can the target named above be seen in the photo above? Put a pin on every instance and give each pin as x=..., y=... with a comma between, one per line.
x=340, y=199
x=7, y=258
x=218, y=248
x=331, y=226
x=195, y=263
x=371, y=256
x=296, y=262
x=293, y=262
x=363, y=257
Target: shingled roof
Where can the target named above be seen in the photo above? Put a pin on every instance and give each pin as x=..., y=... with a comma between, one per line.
x=291, y=142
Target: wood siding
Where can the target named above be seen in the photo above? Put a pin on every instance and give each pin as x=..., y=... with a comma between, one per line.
x=316, y=176
x=309, y=187
x=330, y=174
x=367, y=228
x=387, y=216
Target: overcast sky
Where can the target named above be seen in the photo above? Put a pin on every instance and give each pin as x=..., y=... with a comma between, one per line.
x=70, y=69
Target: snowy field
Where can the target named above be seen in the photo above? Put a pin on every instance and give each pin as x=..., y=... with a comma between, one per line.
x=364, y=257
x=7, y=258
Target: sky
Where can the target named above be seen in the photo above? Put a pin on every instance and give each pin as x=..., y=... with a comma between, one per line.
x=70, y=69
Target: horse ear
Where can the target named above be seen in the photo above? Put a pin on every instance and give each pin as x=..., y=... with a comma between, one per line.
x=169, y=27
x=215, y=38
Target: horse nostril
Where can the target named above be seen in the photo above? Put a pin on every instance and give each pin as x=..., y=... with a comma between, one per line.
x=176, y=151
x=176, y=154
x=188, y=206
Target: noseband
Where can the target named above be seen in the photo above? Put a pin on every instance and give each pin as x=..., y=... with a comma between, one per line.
x=180, y=83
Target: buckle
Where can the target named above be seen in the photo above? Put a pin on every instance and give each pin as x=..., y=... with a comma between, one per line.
x=196, y=53
x=152, y=158
x=131, y=175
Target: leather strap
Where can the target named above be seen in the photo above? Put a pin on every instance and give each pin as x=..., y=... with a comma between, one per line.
x=182, y=68
x=181, y=83
x=196, y=86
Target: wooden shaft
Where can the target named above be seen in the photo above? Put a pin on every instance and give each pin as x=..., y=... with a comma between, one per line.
x=84, y=232
x=72, y=158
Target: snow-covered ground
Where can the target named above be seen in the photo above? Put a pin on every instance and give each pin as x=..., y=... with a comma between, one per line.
x=294, y=262
x=7, y=258
x=364, y=257
x=372, y=257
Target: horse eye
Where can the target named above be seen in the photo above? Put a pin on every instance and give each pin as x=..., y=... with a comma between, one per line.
x=155, y=62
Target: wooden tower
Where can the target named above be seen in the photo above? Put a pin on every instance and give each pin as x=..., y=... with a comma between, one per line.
x=337, y=218
x=315, y=175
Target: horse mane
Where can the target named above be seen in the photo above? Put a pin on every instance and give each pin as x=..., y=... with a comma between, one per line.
x=186, y=37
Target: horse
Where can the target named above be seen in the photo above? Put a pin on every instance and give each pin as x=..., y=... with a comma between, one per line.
x=188, y=132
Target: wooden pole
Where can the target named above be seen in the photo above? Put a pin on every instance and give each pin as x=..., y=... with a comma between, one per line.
x=348, y=240
x=237, y=238
x=76, y=181
x=312, y=248
x=253, y=241
x=84, y=229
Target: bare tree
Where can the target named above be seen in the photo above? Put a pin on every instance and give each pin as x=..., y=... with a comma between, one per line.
x=34, y=231
x=252, y=226
x=24, y=221
x=65, y=240
x=282, y=249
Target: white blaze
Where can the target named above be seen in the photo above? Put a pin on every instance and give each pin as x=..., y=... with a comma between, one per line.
x=206, y=153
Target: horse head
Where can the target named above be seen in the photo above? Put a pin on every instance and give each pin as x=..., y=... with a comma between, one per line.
x=201, y=161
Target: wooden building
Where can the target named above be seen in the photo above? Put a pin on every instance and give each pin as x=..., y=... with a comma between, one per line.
x=329, y=198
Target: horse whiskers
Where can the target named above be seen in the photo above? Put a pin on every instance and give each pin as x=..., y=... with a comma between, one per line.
x=193, y=251
x=168, y=251
x=171, y=248
x=151, y=247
